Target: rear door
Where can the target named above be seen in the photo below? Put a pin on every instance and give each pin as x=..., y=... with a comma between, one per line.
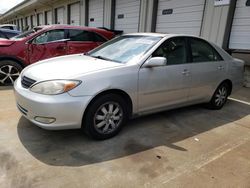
x=48, y=44
x=207, y=68
x=81, y=41
x=166, y=85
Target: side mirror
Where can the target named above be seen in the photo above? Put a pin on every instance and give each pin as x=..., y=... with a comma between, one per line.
x=155, y=62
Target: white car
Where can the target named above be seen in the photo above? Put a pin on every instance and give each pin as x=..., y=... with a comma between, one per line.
x=9, y=26
x=131, y=75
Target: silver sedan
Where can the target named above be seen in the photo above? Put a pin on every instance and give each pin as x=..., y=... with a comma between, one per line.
x=135, y=74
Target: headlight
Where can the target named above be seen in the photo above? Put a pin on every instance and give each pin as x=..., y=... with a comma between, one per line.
x=54, y=87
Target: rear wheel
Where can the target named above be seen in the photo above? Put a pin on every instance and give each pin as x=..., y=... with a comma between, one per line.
x=220, y=96
x=105, y=117
x=9, y=72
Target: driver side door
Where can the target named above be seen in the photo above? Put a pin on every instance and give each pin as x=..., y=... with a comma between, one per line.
x=47, y=45
x=166, y=86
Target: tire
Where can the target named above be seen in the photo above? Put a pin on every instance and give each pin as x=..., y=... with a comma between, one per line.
x=9, y=72
x=220, y=96
x=105, y=116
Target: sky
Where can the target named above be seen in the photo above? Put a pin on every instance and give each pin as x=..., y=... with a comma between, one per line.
x=8, y=4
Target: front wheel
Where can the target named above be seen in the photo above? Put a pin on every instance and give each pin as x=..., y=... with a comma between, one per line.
x=105, y=116
x=220, y=97
x=9, y=72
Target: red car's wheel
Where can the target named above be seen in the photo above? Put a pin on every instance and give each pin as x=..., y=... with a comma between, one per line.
x=9, y=72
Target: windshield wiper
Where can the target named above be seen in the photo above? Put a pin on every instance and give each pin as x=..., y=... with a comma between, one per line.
x=101, y=57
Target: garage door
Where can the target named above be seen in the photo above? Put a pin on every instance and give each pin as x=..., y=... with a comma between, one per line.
x=48, y=17
x=18, y=24
x=240, y=33
x=96, y=13
x=59, y=15
x=178, y=16
x=22, y=24
x=40, y=19
x=34, y=18
x=75, y=14
x=29, y=21
x=127, y=15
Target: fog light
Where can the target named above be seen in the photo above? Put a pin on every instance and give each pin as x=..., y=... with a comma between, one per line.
x=46, y=120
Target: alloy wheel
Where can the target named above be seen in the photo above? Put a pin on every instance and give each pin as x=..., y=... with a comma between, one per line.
x=108, y=117
x=8, y=74
x=221, y=96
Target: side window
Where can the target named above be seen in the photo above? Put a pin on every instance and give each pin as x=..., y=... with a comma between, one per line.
x=203, y=52
x=79, y=35
x=49, y=36
x=174, y=50
x=9, y=35
x=98, y=38
x=2, y=35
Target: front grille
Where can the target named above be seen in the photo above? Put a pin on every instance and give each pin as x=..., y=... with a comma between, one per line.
x=27, y=82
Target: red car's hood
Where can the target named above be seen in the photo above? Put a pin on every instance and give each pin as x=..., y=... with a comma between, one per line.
x=6, y=42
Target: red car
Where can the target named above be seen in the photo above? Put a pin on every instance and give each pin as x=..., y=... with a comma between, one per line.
x=45, y=42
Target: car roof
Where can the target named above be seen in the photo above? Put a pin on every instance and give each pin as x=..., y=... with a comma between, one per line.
x=2, y=25
x=67, y=27
x=163, y=35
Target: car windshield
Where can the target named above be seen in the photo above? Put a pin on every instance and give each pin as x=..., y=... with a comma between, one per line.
x=125, y=48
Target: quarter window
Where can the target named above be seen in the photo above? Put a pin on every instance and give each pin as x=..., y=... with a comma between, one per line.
x=203, y=52
x=98, y=38
x=50, y=36
x=173, y=50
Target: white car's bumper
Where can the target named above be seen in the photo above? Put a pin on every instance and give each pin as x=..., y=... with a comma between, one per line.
x=64, y=111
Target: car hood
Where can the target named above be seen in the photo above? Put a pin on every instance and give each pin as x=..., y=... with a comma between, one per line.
x=6, y=42
x=66, y=67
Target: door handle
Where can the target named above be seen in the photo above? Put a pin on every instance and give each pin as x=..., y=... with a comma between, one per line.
x=220, y=67
x=185, y=72
x=61, y=47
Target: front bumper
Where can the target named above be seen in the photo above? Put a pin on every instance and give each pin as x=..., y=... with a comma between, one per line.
x=64, y=108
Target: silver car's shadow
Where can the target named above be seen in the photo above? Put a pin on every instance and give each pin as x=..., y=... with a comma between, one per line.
x=73, y=148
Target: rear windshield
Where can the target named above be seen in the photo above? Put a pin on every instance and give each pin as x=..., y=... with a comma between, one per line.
x=26, y=34
x=23, y=35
